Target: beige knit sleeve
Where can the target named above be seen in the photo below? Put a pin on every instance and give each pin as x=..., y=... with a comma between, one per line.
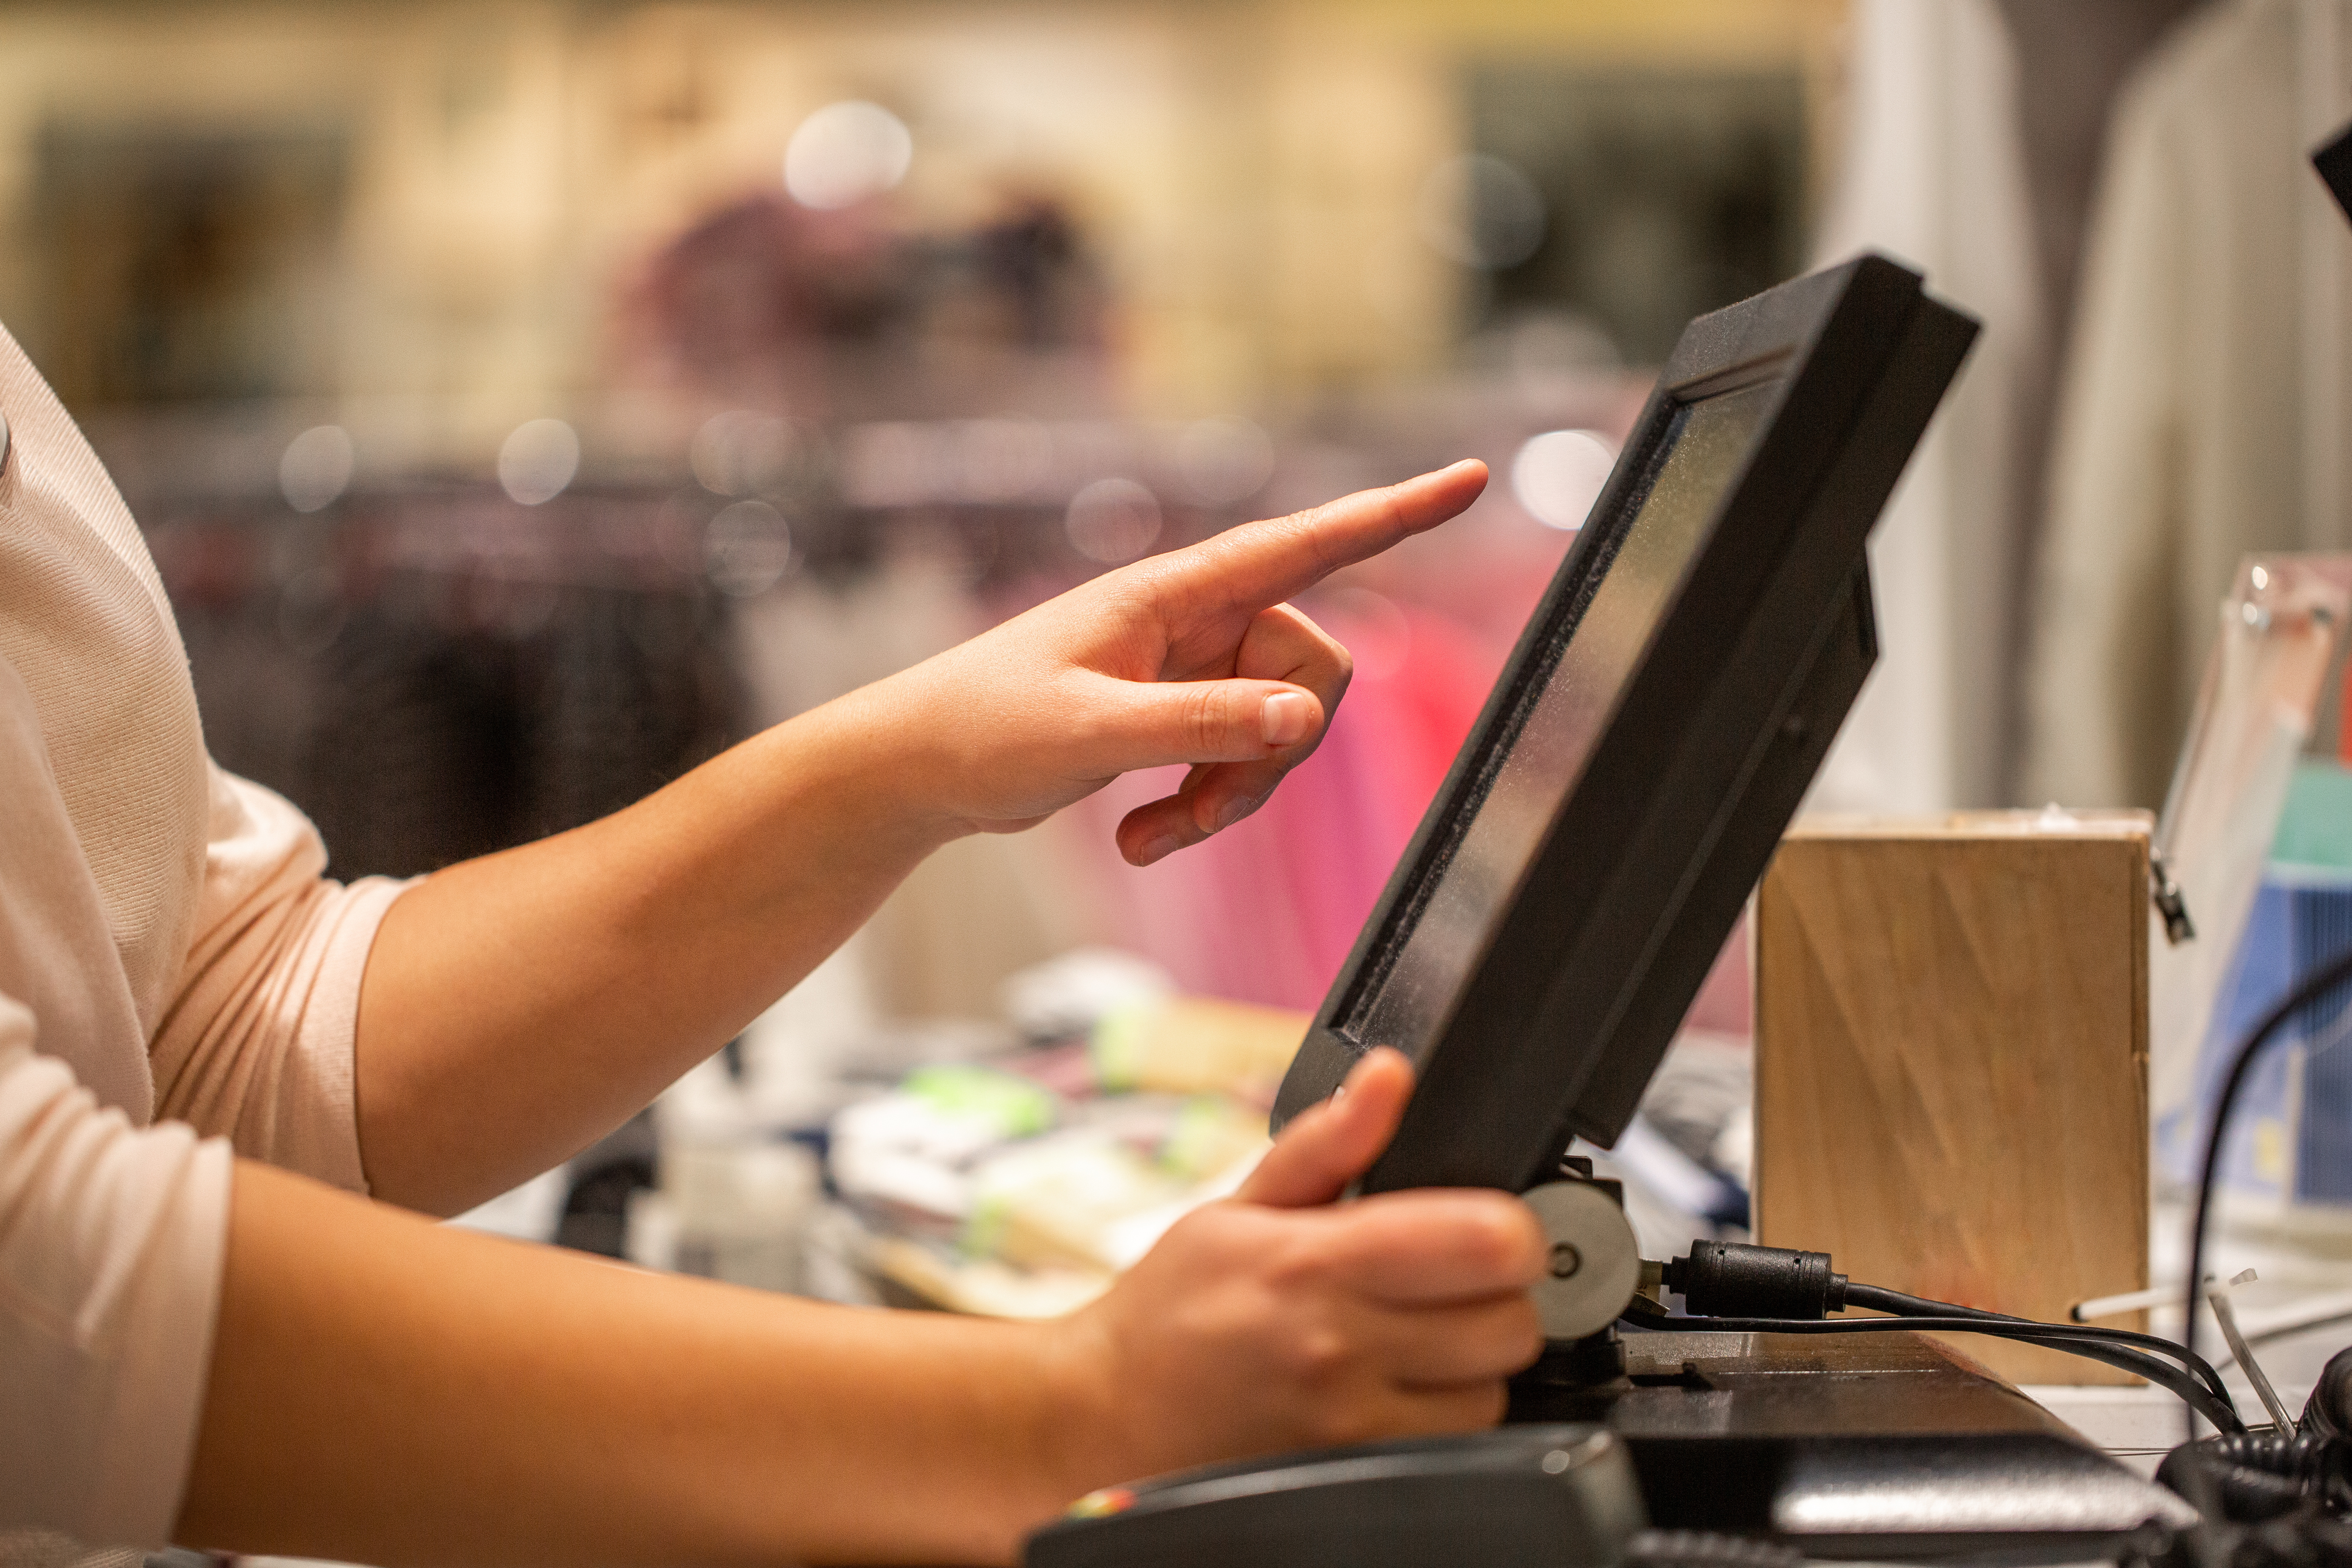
x=111, y=1241
x=256, y=1044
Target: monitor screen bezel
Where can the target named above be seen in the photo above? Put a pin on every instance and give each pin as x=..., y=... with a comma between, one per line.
x=1699, y=765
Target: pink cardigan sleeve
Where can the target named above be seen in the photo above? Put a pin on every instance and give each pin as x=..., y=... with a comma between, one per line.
x=256, y=1044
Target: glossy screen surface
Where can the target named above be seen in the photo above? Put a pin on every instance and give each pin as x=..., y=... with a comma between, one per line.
x=1451, y=913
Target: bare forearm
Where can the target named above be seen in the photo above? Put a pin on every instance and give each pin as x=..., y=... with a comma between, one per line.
x=517, y=1006
x=387, y=1391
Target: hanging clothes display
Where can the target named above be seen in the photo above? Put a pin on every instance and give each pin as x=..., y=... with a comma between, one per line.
x=2204, y=410
x=1935, y=174
x=427, y=702
x=1267, y=910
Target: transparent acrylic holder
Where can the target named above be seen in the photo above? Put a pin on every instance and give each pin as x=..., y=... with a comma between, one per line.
x=2264, y=704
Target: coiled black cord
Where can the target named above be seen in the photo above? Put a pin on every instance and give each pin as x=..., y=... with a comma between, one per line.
x=2272, y=1498
x=2253, y=1476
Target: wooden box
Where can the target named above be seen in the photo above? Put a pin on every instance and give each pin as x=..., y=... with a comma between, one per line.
x=1951, y=1062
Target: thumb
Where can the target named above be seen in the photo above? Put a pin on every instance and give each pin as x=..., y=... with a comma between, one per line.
x=1324, y=1150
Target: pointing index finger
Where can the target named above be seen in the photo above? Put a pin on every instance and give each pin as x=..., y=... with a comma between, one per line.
x=1263, y=564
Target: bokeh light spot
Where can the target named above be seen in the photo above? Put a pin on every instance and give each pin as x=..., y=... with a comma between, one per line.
x=1112, y=520
x=538, y=461
x=316, y=467
x=1557, y=475
x=747, y=549
x=1481, y=212
x=845, y=152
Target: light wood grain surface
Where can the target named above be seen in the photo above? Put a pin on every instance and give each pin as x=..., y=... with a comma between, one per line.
x=1952, y=1031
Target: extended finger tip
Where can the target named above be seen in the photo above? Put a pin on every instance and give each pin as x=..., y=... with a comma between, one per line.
x=1442, y=492
x=1468, y=475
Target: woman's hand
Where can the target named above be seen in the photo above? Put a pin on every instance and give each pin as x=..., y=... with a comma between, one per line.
x=387, y=1391
x=1191, y=657
x=1274, y=1321
x=519, y=1007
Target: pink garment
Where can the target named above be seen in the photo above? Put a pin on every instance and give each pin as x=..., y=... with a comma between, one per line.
x=168, y=949
x=1267, y=910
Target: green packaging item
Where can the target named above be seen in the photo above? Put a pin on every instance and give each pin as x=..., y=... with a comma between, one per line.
x=2315, y=829
x=1009, y=1105
x=1116, y=1044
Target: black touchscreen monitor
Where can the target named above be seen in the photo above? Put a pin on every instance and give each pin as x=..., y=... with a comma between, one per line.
x=1648, y=740
x=2334, y=162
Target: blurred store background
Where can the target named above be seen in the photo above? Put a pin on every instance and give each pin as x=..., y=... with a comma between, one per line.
x=526, y=398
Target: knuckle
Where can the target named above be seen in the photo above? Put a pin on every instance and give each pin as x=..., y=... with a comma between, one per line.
x=1309, y=1257
x=1204, y=719
x=1320, y=1353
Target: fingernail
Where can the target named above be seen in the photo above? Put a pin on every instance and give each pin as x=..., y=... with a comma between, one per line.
x=1286, y=717
x=1241, y=805
x=1155, y=848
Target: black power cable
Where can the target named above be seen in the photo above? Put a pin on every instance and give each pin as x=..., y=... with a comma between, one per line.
x=2123, y=1354
x=2335, y=973
x=1735, y=1287
x=2077, y=1339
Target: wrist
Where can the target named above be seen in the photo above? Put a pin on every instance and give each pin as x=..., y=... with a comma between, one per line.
x=1085, y=1441
x=876, y=747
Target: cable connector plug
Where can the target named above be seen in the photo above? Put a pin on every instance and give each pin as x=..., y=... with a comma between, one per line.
x=1733, y=1279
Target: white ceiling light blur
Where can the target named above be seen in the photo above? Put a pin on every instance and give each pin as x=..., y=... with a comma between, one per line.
x=1481, y=212
x=845, y=152
x=1113, y=521
x=315, y=466
x=1557, y=475
x=538, y=461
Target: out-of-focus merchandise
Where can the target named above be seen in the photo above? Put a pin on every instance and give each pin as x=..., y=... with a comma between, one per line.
x=2277, y=655
x=1196, y=1045
x=2208, y=387
x=1005, y=1167
x=734, y=1199
x=1934, y=169
x=2287, y=1162
x=435, y=675
x=1019, y=1186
